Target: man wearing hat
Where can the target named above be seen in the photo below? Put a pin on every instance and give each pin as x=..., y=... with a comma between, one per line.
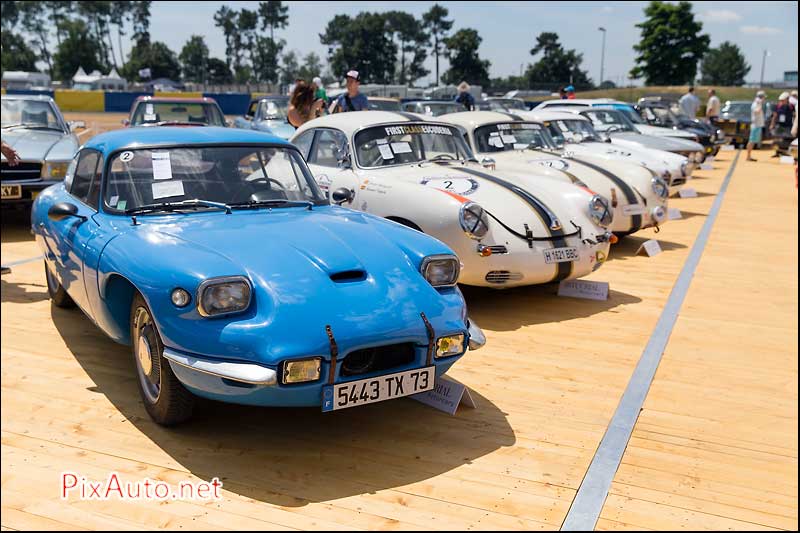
x=351, y=100
x=464, y=97
x=756, y=122
x=570, y=92
x=781, y=124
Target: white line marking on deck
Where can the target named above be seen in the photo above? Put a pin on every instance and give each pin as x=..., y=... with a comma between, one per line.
x=591, y=495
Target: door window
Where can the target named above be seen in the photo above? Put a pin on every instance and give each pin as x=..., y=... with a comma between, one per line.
x=327, y=147
x=84, y=174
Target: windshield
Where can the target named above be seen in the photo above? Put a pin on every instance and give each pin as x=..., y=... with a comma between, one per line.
x=158, y=112
x=229, y=174
x=512, y=136
x=507, y=103
x=401, y=144
x=609, y=120
x=571, y=131
x=737, y=109
x=274, y=110
x=384, y=105
x=30, y=113
x=632, y=115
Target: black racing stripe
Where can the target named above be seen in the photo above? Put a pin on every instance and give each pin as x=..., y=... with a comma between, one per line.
x=408, y=116
x=512, y=115
x=563, y=270
x=627, y=190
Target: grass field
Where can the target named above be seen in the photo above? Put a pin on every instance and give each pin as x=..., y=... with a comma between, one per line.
x=632, y=94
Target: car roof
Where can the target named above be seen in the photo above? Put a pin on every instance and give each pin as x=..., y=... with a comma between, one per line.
x=35, y=97
x=172, y=135
x=474, y=119
x=384, y=99
x=547, y=114
x=176, y=99
x=423, y=101
x=355, y=120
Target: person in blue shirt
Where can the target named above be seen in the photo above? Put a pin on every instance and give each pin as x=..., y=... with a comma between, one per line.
x=464, y=97
x=351, y=100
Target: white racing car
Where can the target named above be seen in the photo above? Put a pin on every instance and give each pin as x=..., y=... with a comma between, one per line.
x=507, y=229
x=575, y=134
x=639, y=198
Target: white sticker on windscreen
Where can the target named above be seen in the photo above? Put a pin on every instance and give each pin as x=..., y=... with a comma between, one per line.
x=386, y=152
x=509, y=139
x=162, y=168
x=401, y=148
x=167, y=189
x=126, y=156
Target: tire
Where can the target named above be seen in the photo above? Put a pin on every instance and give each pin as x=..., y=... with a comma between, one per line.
x=57, y=293
x=165, y=399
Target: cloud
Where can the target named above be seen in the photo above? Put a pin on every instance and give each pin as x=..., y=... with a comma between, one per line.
x=760, y=30
x=722, y=15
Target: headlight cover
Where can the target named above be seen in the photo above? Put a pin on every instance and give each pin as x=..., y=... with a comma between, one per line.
x=449, y=346
x=600, y=211
x=54, y=169
x=474, y=220
x=441, y=270
x=223, y=296
x=660, y=187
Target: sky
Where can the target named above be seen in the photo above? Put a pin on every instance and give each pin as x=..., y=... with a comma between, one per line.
x=509, y=30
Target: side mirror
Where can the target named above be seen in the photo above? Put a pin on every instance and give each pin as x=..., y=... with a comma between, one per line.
x=77, y=125
x=60, y=211
x=488, y=162
x=342, y=195
x=126, y=122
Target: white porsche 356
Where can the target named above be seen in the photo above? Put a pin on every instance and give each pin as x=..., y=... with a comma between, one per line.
x=508, y=229
x=639, y=197
x=577, y=136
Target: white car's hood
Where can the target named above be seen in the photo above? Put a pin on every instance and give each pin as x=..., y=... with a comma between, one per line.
x=658, y=131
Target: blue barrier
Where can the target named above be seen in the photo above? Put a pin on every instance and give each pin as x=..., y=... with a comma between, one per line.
x=231, y=103
x=121, y=102
x=30, y=91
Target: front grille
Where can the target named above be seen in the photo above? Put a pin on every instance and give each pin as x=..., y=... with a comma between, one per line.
x=498, y=249
x=502, y=276
x=23, y=171
x=377, y=358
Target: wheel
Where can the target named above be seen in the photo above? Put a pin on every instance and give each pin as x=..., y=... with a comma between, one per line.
x=165, y=399
x=57, y=293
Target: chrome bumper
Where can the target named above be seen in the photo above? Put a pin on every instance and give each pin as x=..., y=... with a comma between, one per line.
x=476, y=337
x=243, y=372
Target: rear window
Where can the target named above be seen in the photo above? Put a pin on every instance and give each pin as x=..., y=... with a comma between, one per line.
x=177, y=112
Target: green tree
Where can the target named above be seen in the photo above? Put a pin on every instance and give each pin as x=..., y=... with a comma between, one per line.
x=156, y=56
x=15, y=53
x=265, y=59
x=412, y=40
x=227, y=19
x=194, y=58
x=312, y=66
x=363, y=43
x=465, y=64
x=120, y=13
x=59, y=12
x=671, y=45
x=724, y=65
x=274, y=15
x=557, y=67
x=217, y=72
x=79, y=48
x=33, y=18
x=290, y=70
x=436, y=23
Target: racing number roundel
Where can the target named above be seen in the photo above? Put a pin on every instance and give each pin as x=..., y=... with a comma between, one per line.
x=461, y=186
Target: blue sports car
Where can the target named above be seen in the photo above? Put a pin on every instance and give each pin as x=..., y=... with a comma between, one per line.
x=213, y=254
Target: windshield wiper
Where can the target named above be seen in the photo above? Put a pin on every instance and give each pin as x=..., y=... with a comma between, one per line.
x=177, y=206
x=280, y=202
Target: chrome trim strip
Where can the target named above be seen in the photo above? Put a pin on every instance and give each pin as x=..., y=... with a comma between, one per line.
x=243, y=372
x=476, y=337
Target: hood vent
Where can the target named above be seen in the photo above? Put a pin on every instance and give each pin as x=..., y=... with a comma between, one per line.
x=348, y=276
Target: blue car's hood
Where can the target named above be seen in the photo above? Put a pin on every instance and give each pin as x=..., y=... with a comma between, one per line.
x=289, y=255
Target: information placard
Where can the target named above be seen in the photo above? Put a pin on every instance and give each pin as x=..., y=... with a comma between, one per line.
x=651, y=247
x=687, y=192
x=581, y=288
x=447, y=394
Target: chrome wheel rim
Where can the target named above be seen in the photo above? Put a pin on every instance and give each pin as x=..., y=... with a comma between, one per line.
x=148, y=359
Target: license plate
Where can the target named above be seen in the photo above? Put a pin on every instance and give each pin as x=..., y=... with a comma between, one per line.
x=377, y=389
x=560, y=255
x=11, y=192
x=632, y=209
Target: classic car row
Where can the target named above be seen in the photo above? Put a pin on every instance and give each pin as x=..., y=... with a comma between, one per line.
x=372, y=219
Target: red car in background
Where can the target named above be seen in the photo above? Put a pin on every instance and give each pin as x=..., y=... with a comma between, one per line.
x=170, y=111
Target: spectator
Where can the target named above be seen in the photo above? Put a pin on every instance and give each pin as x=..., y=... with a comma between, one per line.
x=756, y=122
x=570, y=92
x=793, y=99
x=689, y=103
x=319, y=90
x=781, y=124
x=303, y=106
x=351, y=100
x=562, y=92
x=712, y=107
x=464, y=97
x=10, y=154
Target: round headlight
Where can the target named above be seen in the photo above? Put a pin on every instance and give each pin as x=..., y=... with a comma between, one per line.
x=441, y=270
x=180, y=298
x=474, y=220
x=600, y=211
x=222, y=296
x=660, y=187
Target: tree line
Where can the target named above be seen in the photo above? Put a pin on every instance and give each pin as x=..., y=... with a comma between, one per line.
x=387, y=48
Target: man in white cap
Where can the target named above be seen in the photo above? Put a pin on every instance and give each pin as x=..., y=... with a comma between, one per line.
x=756, y=122
x=781, y=124
x=464, y=97
x=351, y=100
x=319, y=90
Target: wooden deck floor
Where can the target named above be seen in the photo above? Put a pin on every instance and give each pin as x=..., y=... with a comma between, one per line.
x=715, y=447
